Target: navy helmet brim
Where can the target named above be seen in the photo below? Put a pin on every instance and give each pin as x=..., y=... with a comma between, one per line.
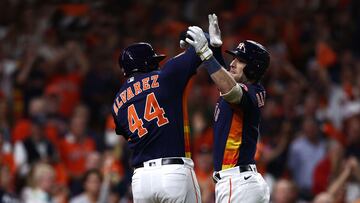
x=158, y=58
x=238, y=54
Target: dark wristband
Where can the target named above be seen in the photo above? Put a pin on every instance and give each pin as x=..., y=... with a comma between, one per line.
x=212, y=65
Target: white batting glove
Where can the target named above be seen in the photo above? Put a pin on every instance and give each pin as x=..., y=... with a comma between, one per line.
x=183, y=44
x=214, y=31
x=199, y=42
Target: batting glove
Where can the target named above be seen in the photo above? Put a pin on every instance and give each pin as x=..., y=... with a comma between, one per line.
x=214, y=31
x=183, y=44
x=199, y=42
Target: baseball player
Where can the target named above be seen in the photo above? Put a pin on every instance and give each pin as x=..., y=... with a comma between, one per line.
x=149, y=112
x=236, y=118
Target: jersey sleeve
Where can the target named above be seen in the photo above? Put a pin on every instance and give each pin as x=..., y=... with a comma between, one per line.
x=181, y=67
x=253, y=97
x=118, y=129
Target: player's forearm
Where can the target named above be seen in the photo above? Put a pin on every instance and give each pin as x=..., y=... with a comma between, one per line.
x=217, y=53
x=222, y=78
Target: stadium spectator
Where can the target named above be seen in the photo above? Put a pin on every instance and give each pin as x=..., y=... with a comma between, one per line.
x=41, y=184
x=7, y=192
x=92, y=184
x=308, y=144
x=284, y=191
x=34, y=148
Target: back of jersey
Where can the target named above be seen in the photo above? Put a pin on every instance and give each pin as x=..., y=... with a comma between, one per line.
x=149, y=107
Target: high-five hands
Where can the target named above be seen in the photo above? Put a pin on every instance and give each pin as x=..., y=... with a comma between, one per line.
x=214, y=31
x=196, y=38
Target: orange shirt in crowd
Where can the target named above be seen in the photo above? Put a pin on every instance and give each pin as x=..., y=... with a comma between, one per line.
x=332, y=132
x=110, y=124
x=67, y=88
x=74, y=154
x=116, y=169
x=204, y=140
x=325, y=55
x=75, y=9
x=7, y=159
x=206, y=184
x=22, y=129
x=61, y=176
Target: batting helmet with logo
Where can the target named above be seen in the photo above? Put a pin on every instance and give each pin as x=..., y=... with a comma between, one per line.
x=139, y=57
x=256, y=57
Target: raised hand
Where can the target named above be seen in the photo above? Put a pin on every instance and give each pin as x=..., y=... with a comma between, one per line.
x=214, y=31
x=196, y=38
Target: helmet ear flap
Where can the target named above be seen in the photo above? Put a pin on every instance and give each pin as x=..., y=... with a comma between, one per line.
x=249, y=72
x=255, y=70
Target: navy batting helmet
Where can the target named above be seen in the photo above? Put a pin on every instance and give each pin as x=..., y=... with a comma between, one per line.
x=139, y=57
x=256, y=57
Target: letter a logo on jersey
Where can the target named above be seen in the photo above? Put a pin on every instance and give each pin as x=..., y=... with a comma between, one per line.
x=241, y=47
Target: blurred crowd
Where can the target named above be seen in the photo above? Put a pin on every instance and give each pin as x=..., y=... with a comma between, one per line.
x=59, y=74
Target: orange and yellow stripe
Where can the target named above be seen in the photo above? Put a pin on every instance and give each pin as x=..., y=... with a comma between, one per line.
x=231, y=154
x=186, y=120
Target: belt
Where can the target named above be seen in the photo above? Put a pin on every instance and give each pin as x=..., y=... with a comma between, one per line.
x=164, y=161
x=241, y=169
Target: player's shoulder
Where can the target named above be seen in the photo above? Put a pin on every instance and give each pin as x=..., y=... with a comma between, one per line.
x=255, y=92
x=252, y=87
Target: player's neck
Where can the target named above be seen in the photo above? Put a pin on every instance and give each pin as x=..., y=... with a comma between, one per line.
x=244, y=79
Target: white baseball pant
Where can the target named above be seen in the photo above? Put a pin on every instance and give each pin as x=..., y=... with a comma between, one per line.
x=173, y=183
x=241, y=187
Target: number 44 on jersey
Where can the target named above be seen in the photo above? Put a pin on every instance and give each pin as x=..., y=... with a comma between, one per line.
x=152, y=111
